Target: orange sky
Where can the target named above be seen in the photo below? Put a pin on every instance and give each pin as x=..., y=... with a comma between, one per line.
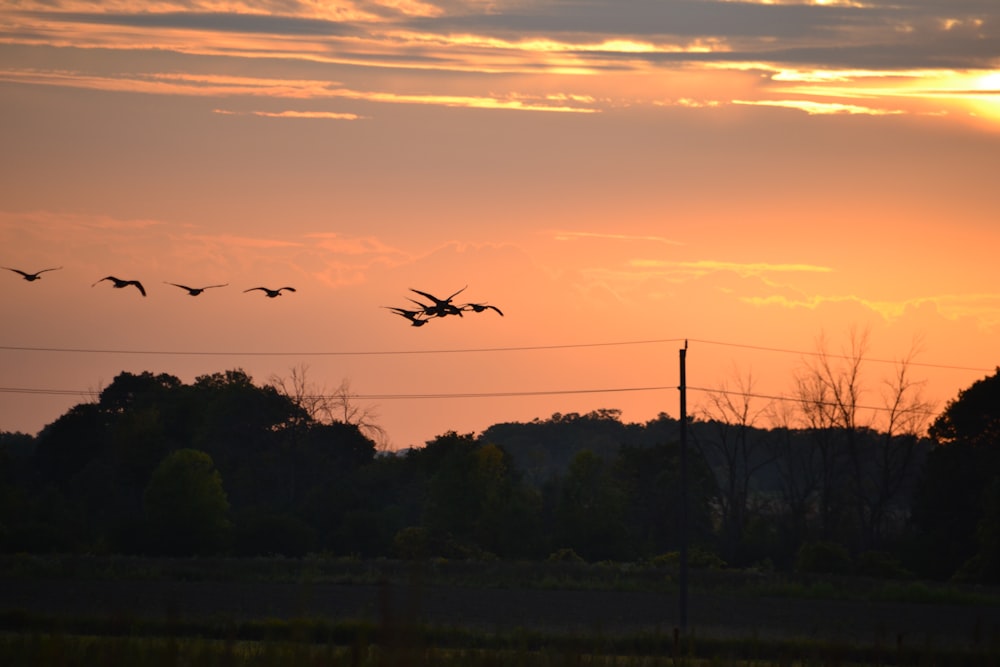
x=615, y=176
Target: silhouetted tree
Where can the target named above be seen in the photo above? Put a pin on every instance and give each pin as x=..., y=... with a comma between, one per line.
x=186, y=506
x=590, y=516
x=874, y=471
x=954, y=495
x=736, y=450
x=649, y=479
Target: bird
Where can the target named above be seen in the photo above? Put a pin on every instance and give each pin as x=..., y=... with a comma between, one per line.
x=271, y=293
x=480, y=307
x=195, y=291
x=119, y=283
x=440, y=307
x=414, y=316
x=31, y=277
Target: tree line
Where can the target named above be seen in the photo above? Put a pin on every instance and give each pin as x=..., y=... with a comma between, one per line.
x=223, y=465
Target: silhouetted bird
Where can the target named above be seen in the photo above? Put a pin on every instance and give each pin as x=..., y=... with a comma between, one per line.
x=271, y=293
x=119, y=283
x=31, y=277
x=480, y=307
x=414, y=316
x=440, y=307
x=195, y=291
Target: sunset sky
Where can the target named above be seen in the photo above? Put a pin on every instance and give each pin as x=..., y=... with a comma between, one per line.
x=616, y=175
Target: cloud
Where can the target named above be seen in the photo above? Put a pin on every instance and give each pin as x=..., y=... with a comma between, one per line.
x=567, y=235
x=577, y=56
x=323, y=115
x=705, y=267
x=985, y=308
x=813, y=108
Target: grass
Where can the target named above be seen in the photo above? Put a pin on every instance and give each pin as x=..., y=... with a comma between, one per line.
x=38, y=639
x=303, y=643
x=493, y=574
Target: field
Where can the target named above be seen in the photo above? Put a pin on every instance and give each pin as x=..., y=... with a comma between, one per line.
x=334, y=611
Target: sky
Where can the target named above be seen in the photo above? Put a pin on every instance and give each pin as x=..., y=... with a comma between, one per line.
x=764, y=180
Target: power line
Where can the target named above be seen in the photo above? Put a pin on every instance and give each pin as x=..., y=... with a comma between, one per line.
x=46, y=392
x=494, y=394
x=522, y=348
x=343, y=353
x=788, y=399
x=840, y=356
x=380, y=397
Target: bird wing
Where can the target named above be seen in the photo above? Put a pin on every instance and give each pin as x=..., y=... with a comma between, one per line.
x=500, y=312
x=428, y=296
x=139, y=285
x=189, y=289
x=253, y=288
x=290, y=289
x=54, y=268
x=455, y=294
x=106, y=278
x=211, y=286
x=23, y=273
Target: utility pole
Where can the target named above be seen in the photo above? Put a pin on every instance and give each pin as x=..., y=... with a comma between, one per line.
x=684, y=493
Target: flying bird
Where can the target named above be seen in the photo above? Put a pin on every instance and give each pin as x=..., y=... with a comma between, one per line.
x=440, y=307
x=31, y=277
x=271, y=293
x=119, y=283
x=480, y=307
x=195, y=291
x=414, y=316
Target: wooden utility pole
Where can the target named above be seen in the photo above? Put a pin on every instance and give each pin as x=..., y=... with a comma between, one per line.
x=684, y=493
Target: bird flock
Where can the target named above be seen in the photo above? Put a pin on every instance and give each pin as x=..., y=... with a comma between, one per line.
x=438, y=308
x=425, y=312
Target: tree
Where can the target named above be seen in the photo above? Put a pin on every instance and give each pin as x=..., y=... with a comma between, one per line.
x=186, y=506
x=741, y=454
x=648, y=478
x=955, y=496
x=340, y=406
x=874, y=469
x=590, y=511
x=249, y=432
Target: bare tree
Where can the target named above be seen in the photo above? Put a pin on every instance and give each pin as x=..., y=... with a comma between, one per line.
x=867, y=450
x=828, y=389
x=905, y=414
x=342, y=406
x=734, y=412
x=339, y=406
x=798, y=468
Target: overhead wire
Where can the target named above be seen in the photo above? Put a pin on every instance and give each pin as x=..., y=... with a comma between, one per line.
x=345, y=353
x=450, y=395
x=516, y=348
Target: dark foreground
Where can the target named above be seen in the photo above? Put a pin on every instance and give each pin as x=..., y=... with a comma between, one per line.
x=491, y=610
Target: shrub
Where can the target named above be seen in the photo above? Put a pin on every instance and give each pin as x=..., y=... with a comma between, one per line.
x=881, y=565
x=564, y=556
x=822, y=558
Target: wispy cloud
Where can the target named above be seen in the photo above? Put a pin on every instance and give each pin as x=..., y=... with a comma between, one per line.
x=323, y=115
x=577, y=56
x=706, y=267
x=813, y=108
x=230, y=86
x=985, y=308
x=566, y=235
